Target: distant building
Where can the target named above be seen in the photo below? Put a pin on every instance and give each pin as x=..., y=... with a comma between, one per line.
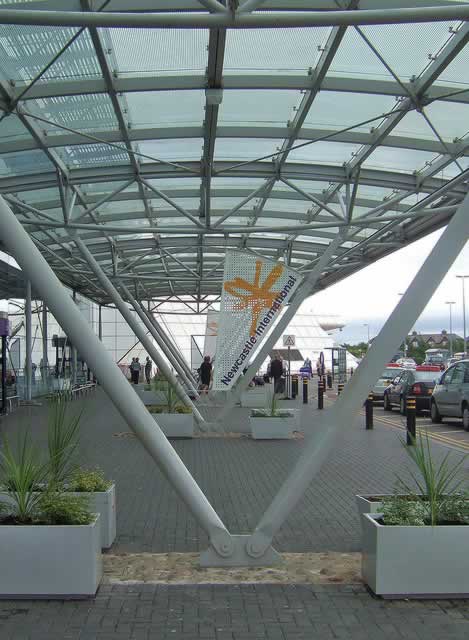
x=432, y=340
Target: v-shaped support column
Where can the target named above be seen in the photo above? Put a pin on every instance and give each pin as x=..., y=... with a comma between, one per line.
x=347, y=406
x=50, y=289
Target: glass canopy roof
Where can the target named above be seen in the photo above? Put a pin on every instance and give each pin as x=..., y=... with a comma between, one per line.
x=166, y=146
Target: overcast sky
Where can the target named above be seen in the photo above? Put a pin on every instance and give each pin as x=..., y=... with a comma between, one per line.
x=370, y=295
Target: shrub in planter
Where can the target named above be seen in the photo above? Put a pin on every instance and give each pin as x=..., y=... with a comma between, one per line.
x=272, y=422
x=101, y=494
x=49, y=540
x=417, y=545
x=174, y=418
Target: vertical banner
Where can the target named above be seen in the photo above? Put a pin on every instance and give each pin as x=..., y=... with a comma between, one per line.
x=254, y=291
x=211, y=333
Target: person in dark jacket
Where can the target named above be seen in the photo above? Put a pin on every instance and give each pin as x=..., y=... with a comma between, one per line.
x=205, y=372
x=276, y=371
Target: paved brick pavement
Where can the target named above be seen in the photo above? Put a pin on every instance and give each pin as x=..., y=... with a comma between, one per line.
x=240, y=477
x=244, y=612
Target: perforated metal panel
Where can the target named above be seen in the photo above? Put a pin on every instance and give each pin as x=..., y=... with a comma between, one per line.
x=254, y=291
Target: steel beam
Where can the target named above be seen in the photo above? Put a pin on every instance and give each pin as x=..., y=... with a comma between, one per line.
x=171, y=346
x=114, y=383
x=27, y=375
x=350, y=402
x=136, y=328
x=162, y=345
x=258, y=20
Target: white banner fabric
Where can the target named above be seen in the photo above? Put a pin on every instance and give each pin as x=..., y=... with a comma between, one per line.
x=254, y=292
x=211, y=333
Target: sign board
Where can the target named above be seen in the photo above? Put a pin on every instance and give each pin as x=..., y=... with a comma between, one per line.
x=288, y=341
x=254, y=292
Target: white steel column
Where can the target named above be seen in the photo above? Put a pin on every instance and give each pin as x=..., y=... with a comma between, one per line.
x=144, y=318
x=170, y=345
x=27, y=375
x=114, y=383
x=136, y=328
x=74, y=351
x=343, y=412
x=304, y=290
x=45, y=356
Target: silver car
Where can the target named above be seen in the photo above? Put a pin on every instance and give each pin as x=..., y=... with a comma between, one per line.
x=384, y=381
x=451, y=394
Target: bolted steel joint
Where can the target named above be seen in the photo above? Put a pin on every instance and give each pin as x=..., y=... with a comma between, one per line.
x=257, y=545
x=222, y=544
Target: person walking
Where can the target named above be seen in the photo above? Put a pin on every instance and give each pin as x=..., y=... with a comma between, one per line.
x=205, y=373
x=276, y=371
x=135, y=370
x=148, y=368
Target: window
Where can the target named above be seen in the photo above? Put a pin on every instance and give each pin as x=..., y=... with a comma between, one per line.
x=458, y=374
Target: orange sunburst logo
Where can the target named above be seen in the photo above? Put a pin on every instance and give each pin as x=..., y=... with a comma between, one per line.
x=256, y=296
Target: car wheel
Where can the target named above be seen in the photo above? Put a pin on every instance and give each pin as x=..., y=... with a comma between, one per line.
x=465, y=417
x=386, y=403
x=435, y=414
x=402, y=407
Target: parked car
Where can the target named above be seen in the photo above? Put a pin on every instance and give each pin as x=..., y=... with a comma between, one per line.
x=418, y=382
x=451, y=395
x=407, y=363
x=384, y=380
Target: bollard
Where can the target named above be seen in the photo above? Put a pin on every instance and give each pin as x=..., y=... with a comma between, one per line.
x=305, y=390
x=340, y=388
x=351, y=372
x=369, y=412
x=320, y=394
x=329, y=381
x=410, y=419
x=294, y=386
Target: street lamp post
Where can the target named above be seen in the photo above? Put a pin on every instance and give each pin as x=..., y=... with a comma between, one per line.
x=450, y=328
x=463, y=310
x=405, y=339
x=368, y=334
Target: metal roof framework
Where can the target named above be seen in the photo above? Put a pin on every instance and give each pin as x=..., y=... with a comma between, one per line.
x=165, y=146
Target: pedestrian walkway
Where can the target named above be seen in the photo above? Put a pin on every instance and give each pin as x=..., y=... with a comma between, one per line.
x=240, y=476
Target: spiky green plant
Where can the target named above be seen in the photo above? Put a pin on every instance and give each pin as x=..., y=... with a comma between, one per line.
x=162, y=385
x=22, y=474
x=436, y=482
x=62, y=439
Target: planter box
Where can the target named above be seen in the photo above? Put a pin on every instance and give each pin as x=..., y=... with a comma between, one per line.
x=175, y=425
x=150, y=397
x=101, y=502
x=269, y=428
x=61, y=561
x=104, y=503
x=365, y=505
x=257, y=397
x=415, y=561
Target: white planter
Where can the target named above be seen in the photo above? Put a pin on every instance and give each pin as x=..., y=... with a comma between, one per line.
x=104, y=503
x=258, y=397
x=151, y=397
x=269, y=428
x=175, y=425
x=50, y=561
x=364, y=505
x=415, y=561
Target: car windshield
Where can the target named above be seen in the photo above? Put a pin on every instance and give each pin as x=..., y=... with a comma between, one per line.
x=427, y=376
x=390, y=374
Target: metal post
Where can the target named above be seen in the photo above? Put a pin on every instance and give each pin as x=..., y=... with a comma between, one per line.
x=410, y=419
x=463, y=310
x=306, y=288
x=4, y=375
x=305, y=390
x=294, y=386
x=164, y=342
x=136, y=328
x=289, y=375
x=45, y=349
x=340, y=388
x=329, y=380
x=28, y=362
x=369, y=412
x=450, y=327
x=341, y=414
x=146, y=428
x=320, y=394
x=74, y=350
x=146, y=321
x=100, y=323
